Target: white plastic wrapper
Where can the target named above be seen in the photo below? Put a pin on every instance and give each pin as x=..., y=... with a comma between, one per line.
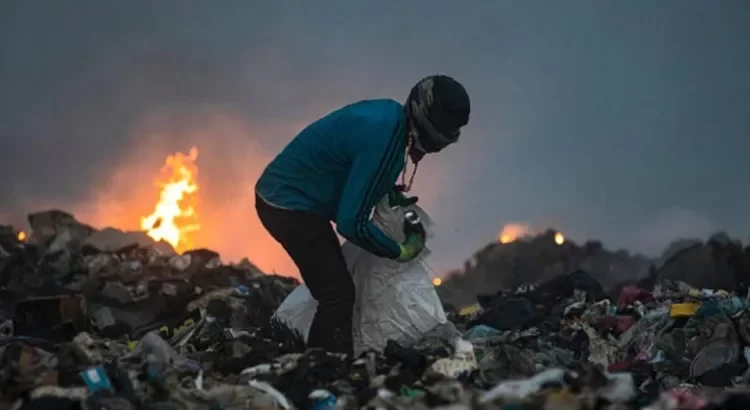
x=394, y=300
x=463, y=360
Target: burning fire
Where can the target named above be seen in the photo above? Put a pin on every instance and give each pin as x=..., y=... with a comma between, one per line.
x=559, y=238
x=512, y=232
x=21, y=236
x=437, y=281
x=174, y=216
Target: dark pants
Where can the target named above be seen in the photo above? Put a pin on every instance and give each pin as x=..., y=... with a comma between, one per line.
x=311, y=242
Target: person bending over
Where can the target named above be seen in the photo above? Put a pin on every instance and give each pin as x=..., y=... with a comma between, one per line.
x=336, y=170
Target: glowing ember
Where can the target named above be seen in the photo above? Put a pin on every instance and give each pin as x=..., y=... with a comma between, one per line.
x=437, y=282
x=559, y=238
x=21, y=236
x=174, y=215
x=512, y=232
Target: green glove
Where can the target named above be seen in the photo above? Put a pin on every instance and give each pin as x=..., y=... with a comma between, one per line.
x=411, y=247
x=396, y=197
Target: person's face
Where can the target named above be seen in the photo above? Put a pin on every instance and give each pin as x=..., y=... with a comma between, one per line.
x=423, y=145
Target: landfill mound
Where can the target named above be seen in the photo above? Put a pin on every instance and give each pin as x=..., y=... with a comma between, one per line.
x=105, y=319
x=535, y=259
x=714, y=263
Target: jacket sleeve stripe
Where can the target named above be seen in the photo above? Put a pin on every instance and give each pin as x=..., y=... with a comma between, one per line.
x=376, y=188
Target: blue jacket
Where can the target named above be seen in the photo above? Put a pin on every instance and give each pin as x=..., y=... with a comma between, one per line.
x=340, y=166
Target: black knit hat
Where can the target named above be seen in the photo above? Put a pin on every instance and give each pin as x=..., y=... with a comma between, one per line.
x=439, y=106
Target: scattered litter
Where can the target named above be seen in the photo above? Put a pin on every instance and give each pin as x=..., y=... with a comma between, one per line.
x=109, y=319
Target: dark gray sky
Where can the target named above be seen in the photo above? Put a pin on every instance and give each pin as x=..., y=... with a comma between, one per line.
x=627, y=121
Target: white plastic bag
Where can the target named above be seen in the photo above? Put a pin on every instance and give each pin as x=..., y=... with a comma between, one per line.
x=394, y=300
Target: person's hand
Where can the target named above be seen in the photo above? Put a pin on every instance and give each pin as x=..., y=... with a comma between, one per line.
x=415, y=238
x=396, y=197
x=411, y=247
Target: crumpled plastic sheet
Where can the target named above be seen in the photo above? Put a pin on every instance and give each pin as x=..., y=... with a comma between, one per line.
x=603, y=352
x=462, y=362
x=643, y=334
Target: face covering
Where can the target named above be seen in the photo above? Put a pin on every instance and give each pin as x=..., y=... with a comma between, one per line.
x=434, y=126
x=421, y=144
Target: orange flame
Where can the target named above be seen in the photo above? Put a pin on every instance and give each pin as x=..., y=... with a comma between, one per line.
x=437, y=281
x=512, y=232
x=21, y=236
x=174, y=216
x=559, y=238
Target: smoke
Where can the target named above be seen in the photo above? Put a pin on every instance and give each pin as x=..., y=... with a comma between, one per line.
x=230, y=160
x=94, y=98
x=98, y=155
x=671, y=224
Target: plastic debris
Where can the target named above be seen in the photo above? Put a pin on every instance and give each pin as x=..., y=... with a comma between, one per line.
x=114, y=321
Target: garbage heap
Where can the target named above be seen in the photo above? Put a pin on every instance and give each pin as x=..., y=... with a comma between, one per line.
x=536, y=259
x=682, y=346
x=718, y=262
x=109, y=320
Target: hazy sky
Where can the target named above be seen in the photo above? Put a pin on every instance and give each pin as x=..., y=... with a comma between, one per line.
x=627, y=121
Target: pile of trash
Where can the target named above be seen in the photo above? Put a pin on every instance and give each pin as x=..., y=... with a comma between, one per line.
x=536, y=259
x=111, y=320
x=714, y=263
x=676, y=342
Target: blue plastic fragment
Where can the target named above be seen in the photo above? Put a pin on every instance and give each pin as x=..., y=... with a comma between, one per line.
x=96, y=379
x=329, y=402
x=481, y=332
